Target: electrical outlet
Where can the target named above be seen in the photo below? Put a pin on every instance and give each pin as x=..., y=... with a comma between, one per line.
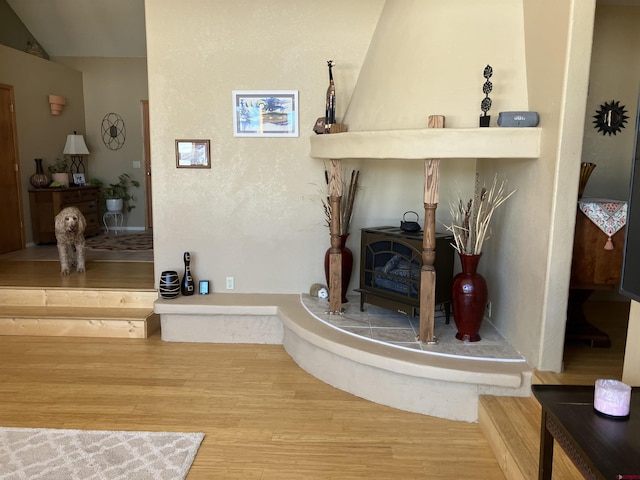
x=230, y=283
x=487, y=309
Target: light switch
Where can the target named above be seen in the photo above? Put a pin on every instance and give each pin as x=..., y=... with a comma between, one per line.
x=136, y=164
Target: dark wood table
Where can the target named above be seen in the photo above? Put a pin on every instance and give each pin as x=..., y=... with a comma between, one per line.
x=592, y=268
x=600, y=447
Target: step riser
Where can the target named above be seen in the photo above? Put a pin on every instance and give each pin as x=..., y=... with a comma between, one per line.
x=80, y=327
x=512, y=428
x=77, y=298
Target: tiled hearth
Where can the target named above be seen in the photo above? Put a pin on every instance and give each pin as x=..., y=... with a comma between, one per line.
x=385, y=326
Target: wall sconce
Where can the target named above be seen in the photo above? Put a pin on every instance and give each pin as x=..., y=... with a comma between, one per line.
x=75, y=147
x=57, y=103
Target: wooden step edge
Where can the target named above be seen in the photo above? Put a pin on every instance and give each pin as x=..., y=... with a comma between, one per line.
x=78, y=298
x=81, y=327
x=509, y=461
x=505, y=419
x=61, y=313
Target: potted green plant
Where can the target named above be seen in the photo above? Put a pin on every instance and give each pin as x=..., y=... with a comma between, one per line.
x=59, y=171
x=116, y=196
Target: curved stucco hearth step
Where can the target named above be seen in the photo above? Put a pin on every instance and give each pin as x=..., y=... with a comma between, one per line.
x=411, y=380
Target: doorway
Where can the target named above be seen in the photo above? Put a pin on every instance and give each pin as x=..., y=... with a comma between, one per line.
x=146, y=141
x=12, y=232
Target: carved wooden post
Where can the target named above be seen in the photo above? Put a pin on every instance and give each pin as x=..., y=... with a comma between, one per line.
x=428, y=272
x=335, y=257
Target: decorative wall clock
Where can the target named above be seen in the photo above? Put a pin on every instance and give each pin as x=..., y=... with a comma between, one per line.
x=113, y=131
x=610, y=118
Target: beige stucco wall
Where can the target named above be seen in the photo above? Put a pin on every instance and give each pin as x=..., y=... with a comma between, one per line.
x=408, y=65
x=40, y=134
x=115, y=85
x=615, y=75
x=413, y=70
x=256, y=214
x=631, y=368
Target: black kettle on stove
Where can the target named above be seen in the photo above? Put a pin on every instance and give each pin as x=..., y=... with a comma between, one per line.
x=408, y=225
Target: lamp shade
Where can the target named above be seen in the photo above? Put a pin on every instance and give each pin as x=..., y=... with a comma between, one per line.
x=75, y=145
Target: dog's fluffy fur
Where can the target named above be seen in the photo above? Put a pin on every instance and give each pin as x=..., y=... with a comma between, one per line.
x=69, y=226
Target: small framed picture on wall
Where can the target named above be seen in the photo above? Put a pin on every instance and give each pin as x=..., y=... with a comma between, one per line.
x=265, y=113
x=193, y=154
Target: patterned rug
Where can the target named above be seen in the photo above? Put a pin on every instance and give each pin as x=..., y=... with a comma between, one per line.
x=39, y=454
x=126, y=241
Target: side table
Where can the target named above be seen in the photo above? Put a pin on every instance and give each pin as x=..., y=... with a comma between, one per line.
x=601, y=448
x=118, y=221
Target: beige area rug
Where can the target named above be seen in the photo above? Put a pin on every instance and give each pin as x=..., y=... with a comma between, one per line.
x=123, y=241
x=33, y=454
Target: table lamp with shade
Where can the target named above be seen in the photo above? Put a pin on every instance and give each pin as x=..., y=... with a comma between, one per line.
x=76, y=148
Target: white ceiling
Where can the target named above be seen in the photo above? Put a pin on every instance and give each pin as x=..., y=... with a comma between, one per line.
x=85, y=28
x=102, y=28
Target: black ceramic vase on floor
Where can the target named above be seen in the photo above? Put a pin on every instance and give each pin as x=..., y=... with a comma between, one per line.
x=347, y=265
x=469, y=297
x=169, y=286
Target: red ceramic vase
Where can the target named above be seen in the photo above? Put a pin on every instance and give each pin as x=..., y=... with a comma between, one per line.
x=347, y=265
x=469, y=296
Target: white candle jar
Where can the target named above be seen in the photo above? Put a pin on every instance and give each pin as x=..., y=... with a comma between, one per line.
x=612, y=398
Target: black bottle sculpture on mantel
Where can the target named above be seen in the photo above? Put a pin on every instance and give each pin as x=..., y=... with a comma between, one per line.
x=188, y=285
x=485, y=105
x=330, y=109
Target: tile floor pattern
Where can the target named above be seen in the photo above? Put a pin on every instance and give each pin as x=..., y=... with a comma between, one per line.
x=387, y=326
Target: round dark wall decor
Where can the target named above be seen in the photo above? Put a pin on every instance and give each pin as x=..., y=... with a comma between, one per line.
x=610, y=118
x=113, y=131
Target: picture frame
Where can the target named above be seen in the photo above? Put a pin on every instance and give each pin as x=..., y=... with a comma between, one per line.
x=265, y=113
x=79, y=180
x=193, y=154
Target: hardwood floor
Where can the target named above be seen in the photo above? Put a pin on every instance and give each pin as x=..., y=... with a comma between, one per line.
x=263, y=416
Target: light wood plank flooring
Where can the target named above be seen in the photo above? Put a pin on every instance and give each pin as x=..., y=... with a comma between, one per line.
x=264, y=417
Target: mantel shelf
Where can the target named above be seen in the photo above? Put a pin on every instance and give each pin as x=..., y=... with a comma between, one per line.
x=492, y=142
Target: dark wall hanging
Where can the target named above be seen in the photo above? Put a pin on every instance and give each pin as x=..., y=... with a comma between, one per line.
x=113, y=131
x=610, y=118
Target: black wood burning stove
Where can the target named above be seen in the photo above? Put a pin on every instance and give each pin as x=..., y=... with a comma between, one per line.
x=390, y=263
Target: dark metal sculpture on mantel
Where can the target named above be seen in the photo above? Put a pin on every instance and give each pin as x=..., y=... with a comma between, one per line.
x=330, y=111
x=328, y=124
x=485, y=105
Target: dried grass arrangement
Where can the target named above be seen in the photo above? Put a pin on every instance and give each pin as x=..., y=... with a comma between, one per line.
x=347, y=202
x=470, y=222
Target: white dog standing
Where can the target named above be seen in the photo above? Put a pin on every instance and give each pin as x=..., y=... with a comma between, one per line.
x=69, y=227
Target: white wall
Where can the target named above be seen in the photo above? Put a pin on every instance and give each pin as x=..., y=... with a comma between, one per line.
x=256, y=214
x=40, y=134
x=115, y=85
x=615, y=75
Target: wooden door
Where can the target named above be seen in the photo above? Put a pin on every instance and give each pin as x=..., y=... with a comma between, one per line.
x=12, y=232
x=147, y=163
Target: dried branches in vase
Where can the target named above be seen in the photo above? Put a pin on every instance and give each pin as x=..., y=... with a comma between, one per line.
x=470, y=221
x=346, y=205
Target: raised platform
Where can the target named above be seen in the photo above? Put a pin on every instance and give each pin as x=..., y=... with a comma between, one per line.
x=446, y=386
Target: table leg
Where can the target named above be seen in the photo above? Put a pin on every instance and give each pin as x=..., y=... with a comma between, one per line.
x=546, y=449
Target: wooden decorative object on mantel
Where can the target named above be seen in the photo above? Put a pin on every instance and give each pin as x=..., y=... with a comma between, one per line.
x=338, y=128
